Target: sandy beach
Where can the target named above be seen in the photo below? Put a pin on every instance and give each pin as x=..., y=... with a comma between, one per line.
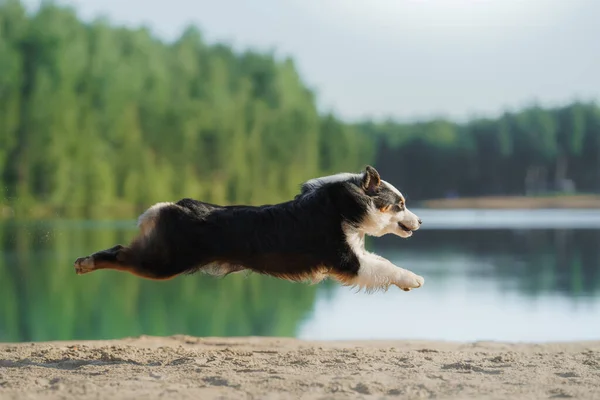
x=279, y=368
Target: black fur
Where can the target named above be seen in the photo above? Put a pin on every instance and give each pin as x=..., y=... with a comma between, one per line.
x=292, y=240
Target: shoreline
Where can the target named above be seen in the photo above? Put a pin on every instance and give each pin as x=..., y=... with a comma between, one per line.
x=281, y=368
x=577, y=201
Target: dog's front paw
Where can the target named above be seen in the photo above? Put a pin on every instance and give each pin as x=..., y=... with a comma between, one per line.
x=409, y=281
x=84, y=265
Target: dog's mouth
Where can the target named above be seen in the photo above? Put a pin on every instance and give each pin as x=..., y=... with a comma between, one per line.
x=404, y=227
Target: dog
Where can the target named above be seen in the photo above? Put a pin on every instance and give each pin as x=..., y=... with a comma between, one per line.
x=319, y=234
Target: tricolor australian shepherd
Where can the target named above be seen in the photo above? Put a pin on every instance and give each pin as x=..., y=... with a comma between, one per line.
x=318, y=234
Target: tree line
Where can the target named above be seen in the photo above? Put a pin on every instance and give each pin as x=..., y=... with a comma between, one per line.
x=534, y=151
x=97, y=117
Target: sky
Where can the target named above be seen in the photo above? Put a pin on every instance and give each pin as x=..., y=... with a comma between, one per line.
x=404, y=59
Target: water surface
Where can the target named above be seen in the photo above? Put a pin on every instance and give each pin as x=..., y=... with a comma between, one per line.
x=490, y=275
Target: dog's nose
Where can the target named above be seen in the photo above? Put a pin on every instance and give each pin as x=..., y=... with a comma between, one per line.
x=420, y=222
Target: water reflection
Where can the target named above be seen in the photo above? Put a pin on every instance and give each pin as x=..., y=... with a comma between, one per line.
x=565, y=261
x=498, y=283
x=42, y=299
x=505, y=285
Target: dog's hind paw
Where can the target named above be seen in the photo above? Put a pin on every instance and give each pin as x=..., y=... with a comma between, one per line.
x=84, y=265
x=410, y=281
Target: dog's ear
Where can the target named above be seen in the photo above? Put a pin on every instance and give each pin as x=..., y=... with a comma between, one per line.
x=371, y=180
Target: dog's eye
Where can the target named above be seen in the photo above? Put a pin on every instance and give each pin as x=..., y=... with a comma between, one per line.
x=385, y=208
x=396, y=208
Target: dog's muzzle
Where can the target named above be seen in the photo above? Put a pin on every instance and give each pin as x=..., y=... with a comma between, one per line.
x=404, y=227
x=407, y=229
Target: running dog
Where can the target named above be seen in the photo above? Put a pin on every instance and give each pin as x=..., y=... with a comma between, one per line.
x=318, y=234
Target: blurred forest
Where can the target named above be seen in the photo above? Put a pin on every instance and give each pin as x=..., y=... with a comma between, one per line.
x=534, y=151
x=95, y=117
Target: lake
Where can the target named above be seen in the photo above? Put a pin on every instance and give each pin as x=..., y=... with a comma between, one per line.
x=489, y=275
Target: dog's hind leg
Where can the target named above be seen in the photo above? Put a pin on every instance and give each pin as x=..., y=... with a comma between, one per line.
x=118, y=258
x=106, y=259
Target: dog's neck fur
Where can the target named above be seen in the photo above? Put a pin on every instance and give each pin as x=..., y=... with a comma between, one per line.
x=315, y=184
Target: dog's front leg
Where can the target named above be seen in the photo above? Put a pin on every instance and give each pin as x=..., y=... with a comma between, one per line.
x=377, y=272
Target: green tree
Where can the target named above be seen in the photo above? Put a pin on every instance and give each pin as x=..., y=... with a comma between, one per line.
x=97, y=117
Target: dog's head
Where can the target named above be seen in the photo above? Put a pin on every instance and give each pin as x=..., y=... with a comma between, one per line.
x=387, y=211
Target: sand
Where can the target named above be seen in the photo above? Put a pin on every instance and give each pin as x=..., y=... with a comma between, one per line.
x=183, y=367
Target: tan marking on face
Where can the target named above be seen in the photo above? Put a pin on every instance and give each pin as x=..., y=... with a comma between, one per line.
x=385, y=208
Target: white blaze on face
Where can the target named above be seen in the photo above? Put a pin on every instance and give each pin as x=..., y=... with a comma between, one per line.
x=392, y=188
x=379, y=223
x=406, y=216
